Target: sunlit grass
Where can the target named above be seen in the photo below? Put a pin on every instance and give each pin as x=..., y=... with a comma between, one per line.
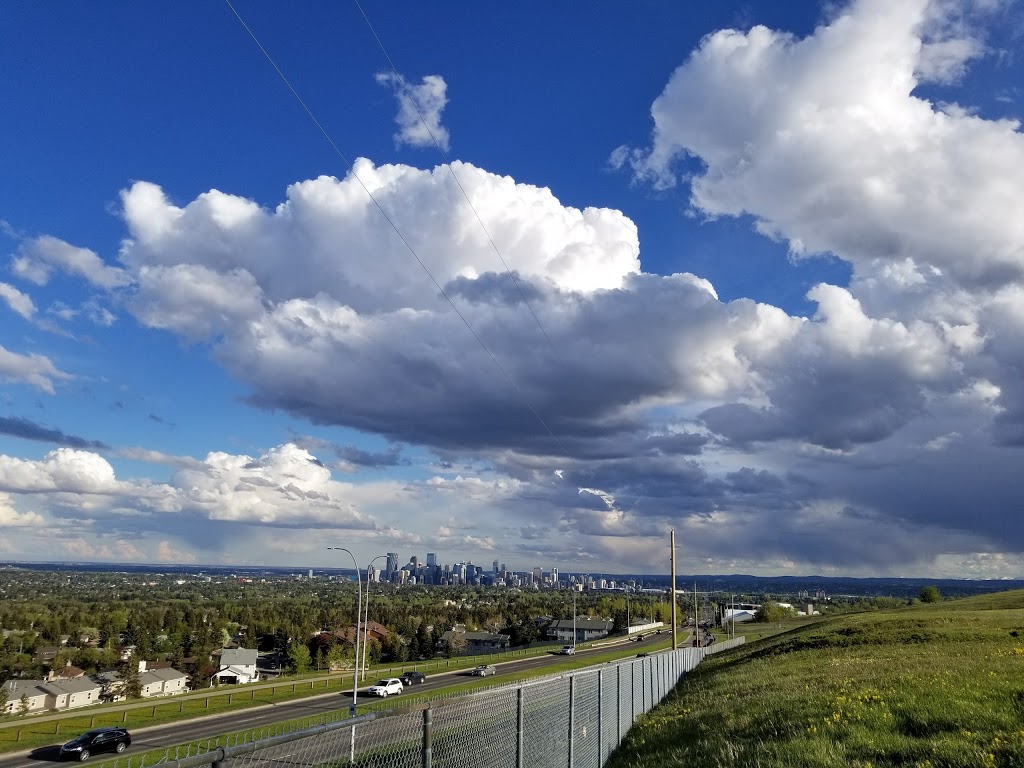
x=930, y=685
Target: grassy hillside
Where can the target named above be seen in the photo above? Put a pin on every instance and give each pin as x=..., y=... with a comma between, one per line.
x=928, y=685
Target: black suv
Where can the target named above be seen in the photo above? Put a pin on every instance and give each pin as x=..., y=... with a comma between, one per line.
x=95, y=741
x=413, y=678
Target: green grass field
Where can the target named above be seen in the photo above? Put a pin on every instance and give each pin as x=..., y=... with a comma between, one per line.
x=928, y=685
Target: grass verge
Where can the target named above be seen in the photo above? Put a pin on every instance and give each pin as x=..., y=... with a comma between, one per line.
x=926, y=686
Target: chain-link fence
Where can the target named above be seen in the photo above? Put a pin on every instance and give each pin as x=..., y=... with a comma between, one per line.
x=575, y=720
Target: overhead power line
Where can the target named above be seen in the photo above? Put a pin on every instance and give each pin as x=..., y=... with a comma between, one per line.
x=448, y=165
x=398, y=232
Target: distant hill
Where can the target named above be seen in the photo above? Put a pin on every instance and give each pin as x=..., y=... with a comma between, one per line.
x=927, y=685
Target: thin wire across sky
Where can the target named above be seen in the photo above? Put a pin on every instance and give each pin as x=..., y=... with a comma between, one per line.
x=398, y=232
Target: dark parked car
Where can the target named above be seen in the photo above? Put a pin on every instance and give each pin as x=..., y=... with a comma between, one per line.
x=95, y=741
x=413, y=678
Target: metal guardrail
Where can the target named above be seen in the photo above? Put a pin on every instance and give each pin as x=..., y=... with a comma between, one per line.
x=575, y=718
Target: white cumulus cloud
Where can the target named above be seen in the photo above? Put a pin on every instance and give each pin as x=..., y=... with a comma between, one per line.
x=824, y=141
x=419, y=110
x=11, y=518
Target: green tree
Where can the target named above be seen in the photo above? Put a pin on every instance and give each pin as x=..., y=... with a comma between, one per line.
x=200, y=677
x=3, y=701
x=393, y=649
x=771, y=611
x=299, y=657
x=129, y=682
x=339, y=656
x=618, y=620
x=421, y=642
x=431, y=650
x=931, y=594
x=523, y=633
x=23, y=705
x=456, y=645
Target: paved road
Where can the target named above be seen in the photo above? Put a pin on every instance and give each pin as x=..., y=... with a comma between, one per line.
x=255, y=717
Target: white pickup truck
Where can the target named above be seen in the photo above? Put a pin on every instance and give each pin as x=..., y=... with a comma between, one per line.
x=383, y=688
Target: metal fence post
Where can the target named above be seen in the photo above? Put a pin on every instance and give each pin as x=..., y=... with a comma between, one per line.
x=519, y=727
x=618, y=704
x=600, y=716
x=661, y=678
x=428, y=738
x=649, y=678
x=645, y=683
x=632, y=693
x=572, y=704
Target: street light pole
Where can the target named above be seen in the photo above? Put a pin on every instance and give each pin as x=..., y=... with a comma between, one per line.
x=574, y=622
x=355, y=667
x=366, y=615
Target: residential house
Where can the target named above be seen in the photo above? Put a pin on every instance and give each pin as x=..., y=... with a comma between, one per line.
x=586, y=629
x=485, y=642
x=460, y=641
x=110, y=685
x=149, y=666
x=45, y=655
x=31, y=690
x=373, y=630
x=237, y=665
x=67, y=672
x=89, y=636
x=70, y=694
x=164, y=681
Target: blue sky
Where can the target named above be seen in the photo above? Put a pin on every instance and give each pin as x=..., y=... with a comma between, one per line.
x=773, y=245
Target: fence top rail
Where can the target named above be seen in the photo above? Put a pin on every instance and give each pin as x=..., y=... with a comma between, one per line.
x=447, y=700
x=250, y=744
x=222, y=753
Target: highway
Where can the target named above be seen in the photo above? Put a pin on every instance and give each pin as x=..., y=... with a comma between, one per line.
x=184, y=731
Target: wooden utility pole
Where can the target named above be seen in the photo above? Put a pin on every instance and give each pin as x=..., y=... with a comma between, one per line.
x=672, y=589
x=696, y=620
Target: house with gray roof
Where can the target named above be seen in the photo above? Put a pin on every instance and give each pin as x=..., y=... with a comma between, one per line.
x=237, y=665
x=31, y=690
x=586, y=629
x=163, y=682
x=70, y=694
x=458, y=639
x=486, y=642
